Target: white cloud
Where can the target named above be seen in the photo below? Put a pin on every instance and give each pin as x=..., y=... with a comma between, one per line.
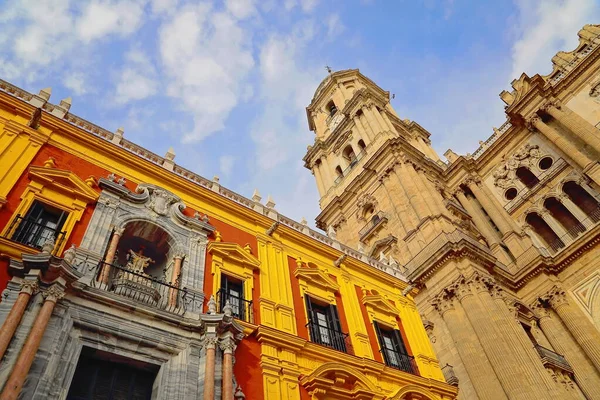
x=240, y=8
x=207, y=57
x=306, y=5
x=546, y=27
x=226, y=163
x=334, y=26
x=76, y=82
x=164, y=6
x=137, y=79
x=101, y=18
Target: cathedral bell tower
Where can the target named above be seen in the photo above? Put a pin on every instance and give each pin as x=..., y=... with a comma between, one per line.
x=378, y=176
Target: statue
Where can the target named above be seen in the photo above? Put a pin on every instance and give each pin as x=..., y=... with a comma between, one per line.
x=138, y=263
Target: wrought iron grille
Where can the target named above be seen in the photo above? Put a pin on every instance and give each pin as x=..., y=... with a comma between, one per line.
x=326, y=336
x=241, y=308
x=33, y=234
x=144, y=289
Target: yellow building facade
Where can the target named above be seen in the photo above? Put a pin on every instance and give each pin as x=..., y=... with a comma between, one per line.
x=501, y=244
x=115, y=260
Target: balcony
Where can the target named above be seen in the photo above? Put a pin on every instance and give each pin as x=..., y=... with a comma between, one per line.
x=400, y=361
x=553, y=360
x=326, y=336
x=241, y=308
x=33, y=234
x=353, y=163
x=144, y=289
x=375, y=222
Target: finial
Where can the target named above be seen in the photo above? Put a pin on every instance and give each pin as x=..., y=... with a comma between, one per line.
x=170, y=155
x=122, y=181
x=227, y=309
x=48, y=246
x=328, y=68
x=69, y=254
x=216, y=179
x=45, y=93
x=212, y=305
x=66, y=103
x=218, y=237
x=270, y=203
x=248, y=248
x=303, y=221
x=111, y=177
x=50, y=163
x=256, y=196
x=299, y=262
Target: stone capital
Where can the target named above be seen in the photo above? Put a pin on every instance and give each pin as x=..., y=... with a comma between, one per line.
x=210, y=342
x=532, y=123
x=119, y=231
x=54, y=293
x=472, y=179
x=227, y=344
x=556, y=297
x=30, y=287
x=443, y=303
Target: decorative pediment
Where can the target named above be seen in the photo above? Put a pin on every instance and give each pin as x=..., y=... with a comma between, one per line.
x=317, y=278
x=63, y=181
x=377, y=302
x=233, y=252
x=339, y=381
x=505, y=175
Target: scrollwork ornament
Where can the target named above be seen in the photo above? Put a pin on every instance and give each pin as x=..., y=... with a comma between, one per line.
x=557, y=297
x=30, y=287
x=54, y=293
x=477, y=282
x=532, y=122
x=443, y=303
x=211, y=342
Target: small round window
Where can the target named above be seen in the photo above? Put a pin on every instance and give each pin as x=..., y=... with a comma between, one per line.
x=545, y=163
x=510, y=194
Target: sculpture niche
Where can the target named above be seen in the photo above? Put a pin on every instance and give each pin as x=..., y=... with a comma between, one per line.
x=134, y=282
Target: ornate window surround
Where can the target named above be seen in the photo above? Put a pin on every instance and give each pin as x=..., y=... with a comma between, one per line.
x=381, y=310
x=315, y=282
x=233, y=260
x=58, y=188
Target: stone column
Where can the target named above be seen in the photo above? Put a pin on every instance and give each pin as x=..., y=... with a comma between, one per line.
x=482, y=375
x=175, y=279
x=576, y=211
x=560, y=141
x=360, y=127
x=583, y=331
x=14, y=384
x=479, y=305
x=228, y=346
x=585, y=373
x=409, y=177
x=490, y=207
x=576, y=124
x=209, y=371
x=365, y=111
x=28, y=288
x=319, y=178
x=525, y=352
x=479, y=218
x=555, y=225
x=110, y=254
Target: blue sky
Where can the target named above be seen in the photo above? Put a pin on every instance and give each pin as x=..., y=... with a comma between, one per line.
x=225, y=83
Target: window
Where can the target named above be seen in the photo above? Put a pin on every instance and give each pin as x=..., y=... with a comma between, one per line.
x=527, y=177
x=393, y=349
x=545, y=163
x=349, y=154
x=510, y=194
x=361, y=144
x=232, y=290
x=339, y=172
x=42, y=223
x=544, y=231
x=98, y=376
x=324, y=325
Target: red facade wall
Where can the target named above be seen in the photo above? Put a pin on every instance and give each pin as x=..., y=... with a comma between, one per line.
x=247, y=368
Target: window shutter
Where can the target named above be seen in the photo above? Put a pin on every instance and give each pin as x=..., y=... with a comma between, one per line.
x=335, y=329
x=311, y=318
x=399, y=342
x=381, y=342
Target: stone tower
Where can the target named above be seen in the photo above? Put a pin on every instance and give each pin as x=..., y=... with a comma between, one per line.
x=377, y=175
x=500, y=246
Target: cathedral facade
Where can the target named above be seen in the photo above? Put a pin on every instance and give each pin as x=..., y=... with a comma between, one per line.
x=500, y=247
x=127, y=276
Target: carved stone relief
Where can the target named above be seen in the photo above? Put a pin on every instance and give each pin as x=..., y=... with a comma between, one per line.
x=505, y=175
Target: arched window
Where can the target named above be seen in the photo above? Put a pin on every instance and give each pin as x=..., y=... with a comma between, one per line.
x=331, y=108
x=527, y=177
x=543, y=230
x=361, y=145
x=564, y=216
x=349, y=154
x=582, y=199
x=339, y=172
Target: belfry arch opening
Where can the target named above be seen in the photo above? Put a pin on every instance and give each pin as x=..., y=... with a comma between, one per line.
x=349, y=154
x=582, y=199
x=563, y=216
x=544, y=231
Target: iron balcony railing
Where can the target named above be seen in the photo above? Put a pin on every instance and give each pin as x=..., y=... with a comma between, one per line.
x=400, y=361
x=33, y=234
x=552, y=358
x=375, y=221
x=241, y=308
x=328, y=337
x=353, y=163
x=145, y=289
